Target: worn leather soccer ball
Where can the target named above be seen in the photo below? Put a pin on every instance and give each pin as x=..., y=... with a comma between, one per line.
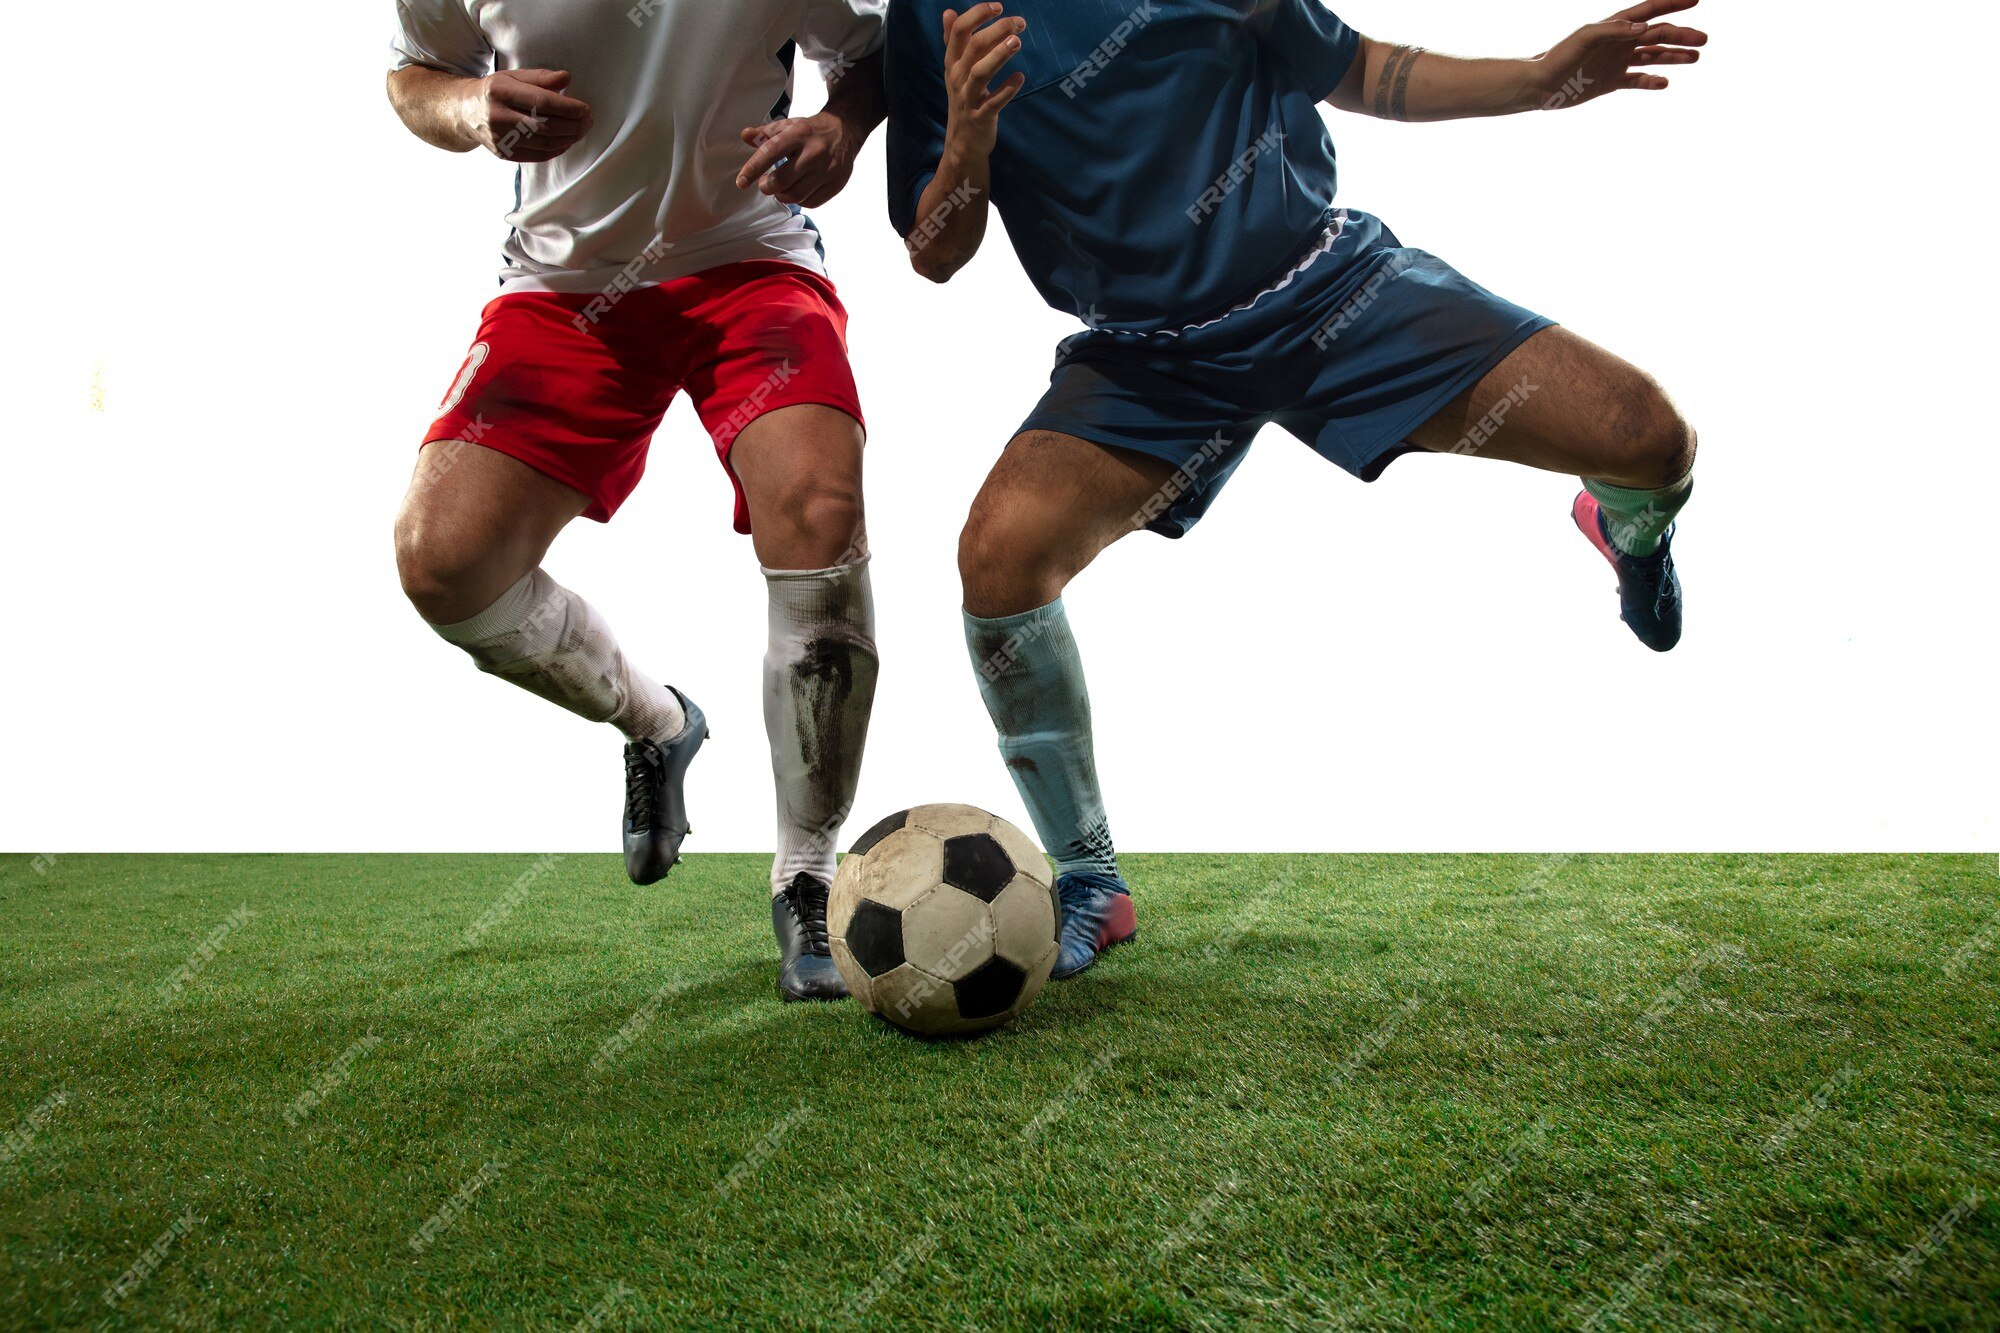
x=944, y=920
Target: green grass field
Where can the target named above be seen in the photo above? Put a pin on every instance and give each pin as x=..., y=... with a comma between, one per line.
x=1318, y=1092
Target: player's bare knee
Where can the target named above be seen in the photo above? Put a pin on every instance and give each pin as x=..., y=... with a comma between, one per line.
x=1667, y=442
x=1003, y=565
x=428, y=586
x=1653, y=444
x=820, y=523
x=988, y=545
x=441, y=583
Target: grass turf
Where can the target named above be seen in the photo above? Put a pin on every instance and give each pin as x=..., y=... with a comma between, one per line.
x=1317, y=1092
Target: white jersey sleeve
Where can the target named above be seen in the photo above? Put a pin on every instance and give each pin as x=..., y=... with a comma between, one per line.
x=442, y=35
x=835, y=32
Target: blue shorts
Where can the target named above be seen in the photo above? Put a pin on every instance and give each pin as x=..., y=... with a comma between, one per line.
x=1362, y=344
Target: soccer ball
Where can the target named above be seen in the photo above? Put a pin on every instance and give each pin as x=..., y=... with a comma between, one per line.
x=943, y=920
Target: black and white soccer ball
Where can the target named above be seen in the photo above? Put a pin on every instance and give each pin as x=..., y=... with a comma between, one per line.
x=944, y=920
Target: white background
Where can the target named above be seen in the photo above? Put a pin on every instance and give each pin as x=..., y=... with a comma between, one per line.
x=238, y=289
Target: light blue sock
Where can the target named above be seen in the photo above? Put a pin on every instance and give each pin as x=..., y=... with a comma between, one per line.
x=1032, y=680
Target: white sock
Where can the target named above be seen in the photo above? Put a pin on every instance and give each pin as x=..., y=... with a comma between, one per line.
x=549, y=641
x=819, y=686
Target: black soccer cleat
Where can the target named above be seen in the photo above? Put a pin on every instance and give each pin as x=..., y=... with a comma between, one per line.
x=798, y=917
x=1649, y=591
x=655, y=806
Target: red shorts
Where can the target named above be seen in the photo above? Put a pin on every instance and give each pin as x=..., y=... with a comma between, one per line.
x=574, y=385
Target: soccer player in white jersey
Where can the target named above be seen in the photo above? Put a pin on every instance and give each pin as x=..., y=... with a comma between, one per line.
x=657, y=245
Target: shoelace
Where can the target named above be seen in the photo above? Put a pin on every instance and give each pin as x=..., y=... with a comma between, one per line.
x=808, y=899
x=1663, y=592
x=1078, y=895
x=641, y=775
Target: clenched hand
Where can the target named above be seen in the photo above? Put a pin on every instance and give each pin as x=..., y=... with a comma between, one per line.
x=522, y=115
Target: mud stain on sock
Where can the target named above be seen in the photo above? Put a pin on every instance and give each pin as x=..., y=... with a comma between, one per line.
x=583, y=673
x=833, y=692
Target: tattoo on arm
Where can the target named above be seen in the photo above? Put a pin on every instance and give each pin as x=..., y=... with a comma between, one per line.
x=1392, y=89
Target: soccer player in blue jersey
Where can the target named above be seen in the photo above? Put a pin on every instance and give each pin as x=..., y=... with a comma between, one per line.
x=1165, y=174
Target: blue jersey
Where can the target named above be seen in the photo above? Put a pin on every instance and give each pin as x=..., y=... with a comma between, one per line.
x=1165, y=160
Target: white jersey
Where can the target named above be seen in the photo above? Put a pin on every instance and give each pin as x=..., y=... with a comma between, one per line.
x=651, y=191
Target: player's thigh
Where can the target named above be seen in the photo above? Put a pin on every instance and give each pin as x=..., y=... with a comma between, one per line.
x=473, y=521
x=1564, y=404
x=1048, y=508
x=800, y=469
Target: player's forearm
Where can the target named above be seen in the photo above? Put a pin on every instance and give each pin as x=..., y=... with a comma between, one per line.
x=951, y=216
x=1409, y=83
x=854, y=94
x=431, y=104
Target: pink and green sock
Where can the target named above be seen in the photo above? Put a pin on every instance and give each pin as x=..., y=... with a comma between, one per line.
x=1636, y=521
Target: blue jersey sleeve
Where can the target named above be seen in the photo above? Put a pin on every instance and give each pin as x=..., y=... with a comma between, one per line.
x=1310, y=40
x=913, y=72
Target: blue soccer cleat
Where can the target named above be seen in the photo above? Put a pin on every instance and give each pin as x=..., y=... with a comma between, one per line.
x=656, y=819
x=1649, y=592
x=1096, y=914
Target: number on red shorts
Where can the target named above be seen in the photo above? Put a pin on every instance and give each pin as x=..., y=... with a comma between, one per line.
x=473, y=361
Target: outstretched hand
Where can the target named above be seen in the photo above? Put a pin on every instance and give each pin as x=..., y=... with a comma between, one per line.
x=1607, y=57
x=977, y=44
